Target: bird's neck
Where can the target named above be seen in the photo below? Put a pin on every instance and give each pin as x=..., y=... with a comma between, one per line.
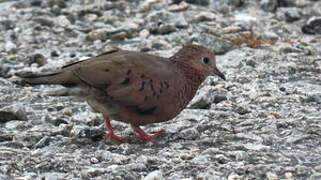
x=193, y=79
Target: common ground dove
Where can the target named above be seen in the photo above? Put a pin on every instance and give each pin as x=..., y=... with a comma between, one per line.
x=134, y=87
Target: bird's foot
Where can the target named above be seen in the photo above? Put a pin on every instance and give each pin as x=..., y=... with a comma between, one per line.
x=110, y=134
x=114, y=137
x=144, y=136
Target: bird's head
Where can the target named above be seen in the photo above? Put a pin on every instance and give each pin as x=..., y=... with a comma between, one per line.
x=200, y=58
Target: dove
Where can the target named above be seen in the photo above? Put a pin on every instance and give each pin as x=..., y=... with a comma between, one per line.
x=134, y=87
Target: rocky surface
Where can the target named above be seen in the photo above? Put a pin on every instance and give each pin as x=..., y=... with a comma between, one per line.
x=262, y=123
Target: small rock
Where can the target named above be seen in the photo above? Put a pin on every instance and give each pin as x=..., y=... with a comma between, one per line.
x=44, y=22
x=287, y=48
x=204, y=16
x=181, y=22
x=204, y=98
x=3, y=176
x=35, y=3
x=54, y=53
x=314, y=98
x=313, y=26
x=63, y=21
x=165, y=29
x=98, y=34
x=38, y=59
x=250, y=62
x=224, y=9
x=90, y=17
x=58, y=121
x=86, y=132
x=270, y=35
x=286, y=3
x=178, y=7
x=42, y=142
x=15, y=112
x=256, y=147
x=6, y=25
x=92, y=172
x=143, y=34
x=190, y=133
x=231, y=29
x=118, y=36
x=315, y=176
x=15, y=125
x=7, y=116
x=236, y=3
x=272, y=176
x=10, y=46
x=199, y=2
x=155, y=175
x=269, y=5
x=219, y=45
x=59, y=3
x=94, y=160
x=292, y=14
x=234, y=176
x=242, y=110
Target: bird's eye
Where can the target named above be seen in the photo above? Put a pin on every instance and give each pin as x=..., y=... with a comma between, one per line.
x=206, y=60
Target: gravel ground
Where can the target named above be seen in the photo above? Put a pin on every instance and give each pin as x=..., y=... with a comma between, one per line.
x=262, y=123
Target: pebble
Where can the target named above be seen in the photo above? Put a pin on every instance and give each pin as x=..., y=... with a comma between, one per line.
x=155, y=175
x=269, y=5
x=199, y=2
x=292, y=14
x=10, y=46
x=313, y=26
x=98, y=34
x=204, y=16
x=178, y=7
x=39, y=59
x=118, y=36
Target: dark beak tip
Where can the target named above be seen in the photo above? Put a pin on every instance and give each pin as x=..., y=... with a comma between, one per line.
x=221, y=75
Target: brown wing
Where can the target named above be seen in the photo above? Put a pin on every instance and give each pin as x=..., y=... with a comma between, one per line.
x=133, y=79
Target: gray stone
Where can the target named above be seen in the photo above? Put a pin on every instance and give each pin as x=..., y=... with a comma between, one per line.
x=269, y=5
x=314, y=98
x=155, y=175
x=292, y=14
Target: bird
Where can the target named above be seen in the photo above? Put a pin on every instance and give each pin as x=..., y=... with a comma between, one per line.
x=134, y=87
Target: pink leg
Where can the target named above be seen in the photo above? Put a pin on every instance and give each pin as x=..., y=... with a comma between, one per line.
x=144, y=136
x=110, y=134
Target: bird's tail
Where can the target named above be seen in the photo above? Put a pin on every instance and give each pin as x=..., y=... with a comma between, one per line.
x=50, y=78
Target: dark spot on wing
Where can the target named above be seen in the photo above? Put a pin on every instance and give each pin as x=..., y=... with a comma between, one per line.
x=166, y=84
x=126, y=81
x=142, y=76
x=128, y=72
x=142, y=86
x=147, y=111
x=152, y=87
x=106, y=70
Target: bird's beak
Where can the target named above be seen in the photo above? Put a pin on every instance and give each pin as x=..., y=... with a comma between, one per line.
x=218, y=72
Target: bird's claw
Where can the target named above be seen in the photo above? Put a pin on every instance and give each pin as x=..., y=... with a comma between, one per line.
x=114, y=137
x=148, y=138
